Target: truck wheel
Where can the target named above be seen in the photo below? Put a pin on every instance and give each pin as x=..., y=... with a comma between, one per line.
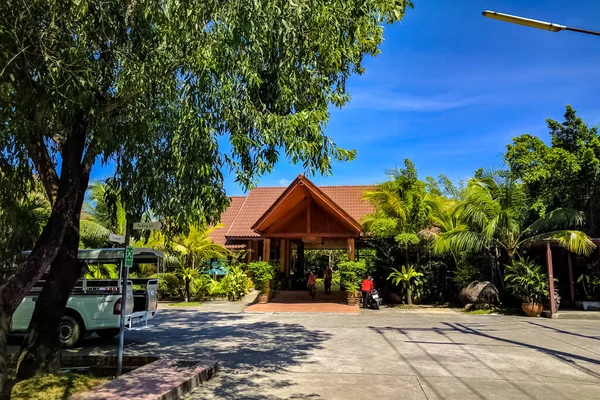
x=69, y=331
x=108, y=333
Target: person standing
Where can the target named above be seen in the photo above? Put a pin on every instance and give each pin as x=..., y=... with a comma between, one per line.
x=328, y=274
x=312, y=286
x=366, y=287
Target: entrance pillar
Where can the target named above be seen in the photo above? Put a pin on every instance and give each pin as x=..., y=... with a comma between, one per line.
x=551, y=278
x=283, y=255
x=267, y=250
x=351, y=250
x=571, y=281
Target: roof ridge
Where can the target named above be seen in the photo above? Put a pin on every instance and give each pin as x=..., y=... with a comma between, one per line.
x=319, y=186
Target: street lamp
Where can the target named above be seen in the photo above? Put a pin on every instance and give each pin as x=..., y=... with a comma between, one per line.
x=534, y=23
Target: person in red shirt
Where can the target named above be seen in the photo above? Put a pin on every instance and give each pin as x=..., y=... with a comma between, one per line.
x=366, y=287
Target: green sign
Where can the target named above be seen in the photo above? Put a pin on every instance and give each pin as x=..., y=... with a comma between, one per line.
x=129, y=257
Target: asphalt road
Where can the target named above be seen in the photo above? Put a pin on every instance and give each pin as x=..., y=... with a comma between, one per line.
x=386, y=354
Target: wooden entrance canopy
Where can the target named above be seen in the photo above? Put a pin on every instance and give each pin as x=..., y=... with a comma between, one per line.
x=303, y=211
x=272, y=221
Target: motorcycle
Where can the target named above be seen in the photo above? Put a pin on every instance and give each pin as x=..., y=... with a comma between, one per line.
x=374, y=300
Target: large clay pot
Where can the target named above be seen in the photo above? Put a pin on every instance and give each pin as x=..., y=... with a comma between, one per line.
x=352, y=298
x=263, y=298
x=532, y=309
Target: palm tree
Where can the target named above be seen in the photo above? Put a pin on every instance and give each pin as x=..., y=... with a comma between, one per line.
x=399, y=208
x=99, y=219
x=188, y=275
x=405, y=277
x=492, y=218
x=22, y=221
x=189, y=251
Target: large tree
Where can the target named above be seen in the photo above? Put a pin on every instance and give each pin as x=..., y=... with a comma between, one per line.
x=400, y=211
x=157, y=87
x=565, y=174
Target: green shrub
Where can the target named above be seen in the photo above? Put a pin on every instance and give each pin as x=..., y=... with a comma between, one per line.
x=215, y=288
x=335, y=277
x=200, y=287
x=465, y=273
x=262, y=272
x=169, y=286
x=235, y=283
x=526, y=281
x=351, y=274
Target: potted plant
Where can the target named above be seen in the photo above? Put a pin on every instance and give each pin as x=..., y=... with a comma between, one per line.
x=351, y=274
x=528, y=283
x=262, y=275
x=406, y=277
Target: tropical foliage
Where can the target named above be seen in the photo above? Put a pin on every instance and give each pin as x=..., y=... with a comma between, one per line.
x=407, y=277
x=351, y=274
x=22, y=221
x=565, y=174
x=262, y=273
x=526, y=281
x=477, y=227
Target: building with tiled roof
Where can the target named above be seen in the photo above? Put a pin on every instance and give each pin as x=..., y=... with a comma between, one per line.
x=270, y=222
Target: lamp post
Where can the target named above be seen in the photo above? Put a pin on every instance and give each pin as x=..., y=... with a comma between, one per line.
x=534, y=23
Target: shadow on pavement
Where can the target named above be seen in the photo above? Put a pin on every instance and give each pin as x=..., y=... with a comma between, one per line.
x=247, y=350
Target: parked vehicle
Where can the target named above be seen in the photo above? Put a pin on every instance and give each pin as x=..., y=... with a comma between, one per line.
x=95, y=304
x=374, y=300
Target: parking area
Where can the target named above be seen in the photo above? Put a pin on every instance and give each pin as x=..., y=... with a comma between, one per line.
x=386, y=354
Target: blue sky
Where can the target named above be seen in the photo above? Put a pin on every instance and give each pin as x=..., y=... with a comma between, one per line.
x=451, y=88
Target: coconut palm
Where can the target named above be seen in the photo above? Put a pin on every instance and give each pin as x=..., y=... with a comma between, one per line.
x=492, y=217
x=405, y=277
x=22, y=221
x=99, y=219
x=189, y=252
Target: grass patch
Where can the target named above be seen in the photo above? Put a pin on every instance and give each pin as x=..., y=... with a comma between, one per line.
x=495, y=311
x=52, y=387
x=184, y=304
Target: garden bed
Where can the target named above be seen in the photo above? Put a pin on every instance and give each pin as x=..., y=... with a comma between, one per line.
x=60, y=386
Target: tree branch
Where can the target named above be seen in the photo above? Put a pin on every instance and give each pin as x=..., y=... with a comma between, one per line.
x=45, y=167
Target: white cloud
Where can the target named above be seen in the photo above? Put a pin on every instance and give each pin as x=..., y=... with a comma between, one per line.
x=391, y=101
x=284, y=182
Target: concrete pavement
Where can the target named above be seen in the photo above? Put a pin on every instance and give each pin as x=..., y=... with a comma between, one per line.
x=386, y=354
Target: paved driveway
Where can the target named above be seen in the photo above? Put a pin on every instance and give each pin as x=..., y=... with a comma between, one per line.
x=387, y=354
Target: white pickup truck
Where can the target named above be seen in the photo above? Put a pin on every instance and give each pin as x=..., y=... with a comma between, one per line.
x=95, y=304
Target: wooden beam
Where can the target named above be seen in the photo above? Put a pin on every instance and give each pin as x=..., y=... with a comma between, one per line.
x=571, y=281
x=351, y=249
x=300, y=235
x=550, y=278
x=308, y=213
x=267, y=250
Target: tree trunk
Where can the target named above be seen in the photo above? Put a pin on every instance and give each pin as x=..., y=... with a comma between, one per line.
x=498, y=266
x=5, y=384
x=408, y=294
x=13, y=290
x=29, y=272
x=41, y=349
x=187, y=290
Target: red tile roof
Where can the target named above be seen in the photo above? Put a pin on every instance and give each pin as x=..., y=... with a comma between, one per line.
x=245, y=211
x=218, y=235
